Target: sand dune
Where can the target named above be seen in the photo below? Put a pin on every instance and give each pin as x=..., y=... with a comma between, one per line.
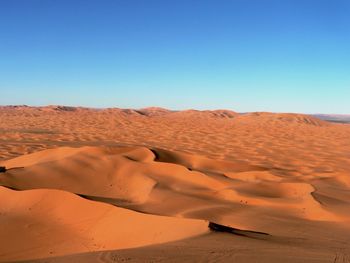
x=134, y=178
x=80, y=174
x=286, y=118
x=45, y=223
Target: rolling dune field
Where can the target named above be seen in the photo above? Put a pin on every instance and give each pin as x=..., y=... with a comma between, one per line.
x=123, y=185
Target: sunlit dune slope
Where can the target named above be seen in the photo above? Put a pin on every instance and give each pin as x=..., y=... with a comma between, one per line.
x=45, y=223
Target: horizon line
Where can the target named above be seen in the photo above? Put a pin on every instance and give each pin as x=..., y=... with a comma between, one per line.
x=169, y=109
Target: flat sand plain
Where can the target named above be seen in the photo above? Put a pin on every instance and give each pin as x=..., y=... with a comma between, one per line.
x=122, y=185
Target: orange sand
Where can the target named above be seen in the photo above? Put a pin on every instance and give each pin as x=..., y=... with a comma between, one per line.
x=87, y=171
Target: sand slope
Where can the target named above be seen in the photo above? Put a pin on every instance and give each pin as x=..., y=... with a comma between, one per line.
x=45, y=223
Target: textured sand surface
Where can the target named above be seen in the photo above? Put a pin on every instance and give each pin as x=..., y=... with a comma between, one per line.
x=281, y=180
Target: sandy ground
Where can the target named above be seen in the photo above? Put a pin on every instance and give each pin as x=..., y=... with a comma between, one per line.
x=119, y=185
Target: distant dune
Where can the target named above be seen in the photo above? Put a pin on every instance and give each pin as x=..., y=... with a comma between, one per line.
x=141, y=185
x=340, y=118
x=287, y=118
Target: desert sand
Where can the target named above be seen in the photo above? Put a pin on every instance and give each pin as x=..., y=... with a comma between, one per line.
x=123, y=185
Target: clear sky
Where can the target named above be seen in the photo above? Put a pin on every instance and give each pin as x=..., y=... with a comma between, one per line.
x=244, y=55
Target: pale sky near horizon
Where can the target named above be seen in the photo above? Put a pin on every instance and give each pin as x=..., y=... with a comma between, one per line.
x=257, y=55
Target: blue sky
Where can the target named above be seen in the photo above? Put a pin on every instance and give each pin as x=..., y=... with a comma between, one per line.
x=244, y=55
